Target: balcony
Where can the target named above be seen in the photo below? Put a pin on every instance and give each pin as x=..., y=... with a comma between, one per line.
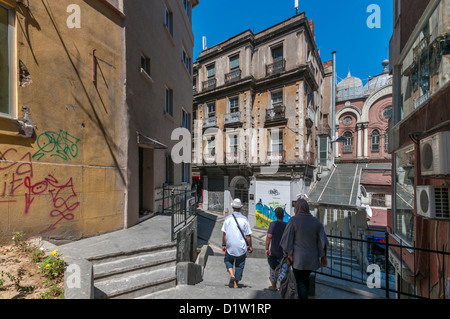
x=209, y=159
x=311, y=158
x=210, y=122
x=309, y=117
x=275, y=68
x=278, y=156
x=233, y=76
x=232, y=158
x=232, y=119
x=209, y=85
x=276, y=114
x=324, y=130
x=347, y=148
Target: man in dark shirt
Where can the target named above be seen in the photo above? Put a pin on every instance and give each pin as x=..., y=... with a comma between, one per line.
x=275, y=254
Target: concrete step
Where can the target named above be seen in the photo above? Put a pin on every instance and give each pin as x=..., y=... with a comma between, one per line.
x=130, y=274
x=134, y=264
x=99, y=259
x=136, y=285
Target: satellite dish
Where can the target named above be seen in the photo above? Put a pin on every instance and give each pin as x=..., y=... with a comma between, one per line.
x=368, y=210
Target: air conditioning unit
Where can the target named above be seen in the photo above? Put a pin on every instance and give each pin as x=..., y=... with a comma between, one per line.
x=433, y=202
x=435, y=154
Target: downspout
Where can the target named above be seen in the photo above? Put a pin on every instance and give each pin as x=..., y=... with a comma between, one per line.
x=333, y=112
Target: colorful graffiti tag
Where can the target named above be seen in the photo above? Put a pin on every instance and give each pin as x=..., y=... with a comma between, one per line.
x=60, y=144
x=18, y=181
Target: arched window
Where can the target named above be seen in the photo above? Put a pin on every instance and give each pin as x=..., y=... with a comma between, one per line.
x=348, y=144
x=386, y=141
x=375, y=141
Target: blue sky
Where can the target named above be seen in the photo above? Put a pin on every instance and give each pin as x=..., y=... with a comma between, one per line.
x=340, y=25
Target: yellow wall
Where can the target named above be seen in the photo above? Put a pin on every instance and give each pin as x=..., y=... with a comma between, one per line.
x=64, y=182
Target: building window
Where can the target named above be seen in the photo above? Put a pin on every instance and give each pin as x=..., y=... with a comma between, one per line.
x=378, y=200
x=386, y=141
x=145, y=64
x=210, y=155
x=347, y=120
x=168, y=20
x=185, y=170
x=211, y=109
x=6, y=61
x=423, y=69
x=234, y=63
x=211, y=71
x=347, y=147
x=276, y=141
x=233, y=143
x=375, y=141
x=276, y=99
x=187, y=61
x=233, y=104
x=323, y=150
x=278, y=63
x=168, y=102
x=187, y=7
x=404, y=194
x=185, y=120
x=277, y=54
x=387, y=112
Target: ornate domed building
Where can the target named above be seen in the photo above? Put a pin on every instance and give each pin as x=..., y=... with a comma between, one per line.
x=362, y=115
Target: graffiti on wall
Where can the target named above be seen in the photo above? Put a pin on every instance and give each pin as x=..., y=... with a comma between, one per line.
x=60, y=144
x=19, y=183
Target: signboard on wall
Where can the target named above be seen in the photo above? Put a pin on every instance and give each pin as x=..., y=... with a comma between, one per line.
x=268, y=196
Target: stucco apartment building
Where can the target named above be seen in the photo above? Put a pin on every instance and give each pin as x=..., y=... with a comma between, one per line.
x=87, y=104
x=420, y=146
x=259, y=102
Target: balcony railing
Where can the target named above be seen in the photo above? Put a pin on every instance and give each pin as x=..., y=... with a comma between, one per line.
x=210, y=122
x=233, y=76
x=309, y=117
x=232, y=157
x=276, y=67
x=276, y=113
x=324, y=130
x=209, y=158
x=278, y=156
x=347, y=148
x=209, y=85
x=234, y=117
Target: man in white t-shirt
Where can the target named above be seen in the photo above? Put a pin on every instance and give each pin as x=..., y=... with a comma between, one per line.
x=236, y=242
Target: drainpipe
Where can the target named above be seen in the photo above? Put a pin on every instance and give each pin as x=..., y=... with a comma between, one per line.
x=333, y=112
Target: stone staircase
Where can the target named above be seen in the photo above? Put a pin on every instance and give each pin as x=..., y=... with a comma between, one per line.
x=135, y=273
x=214, y=285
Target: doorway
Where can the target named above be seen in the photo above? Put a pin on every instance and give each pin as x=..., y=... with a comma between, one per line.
x=146, y=182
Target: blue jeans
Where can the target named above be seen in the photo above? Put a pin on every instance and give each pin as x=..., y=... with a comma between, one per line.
x=235, y=262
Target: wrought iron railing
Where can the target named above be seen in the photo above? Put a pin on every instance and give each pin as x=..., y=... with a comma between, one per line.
x=209, y=84
x=233, y=76
x=352, y=259
x=278, y=156
x=210, y=121
x=181, y=205
x=276, y=113
x=276, y=67
x=234, y=117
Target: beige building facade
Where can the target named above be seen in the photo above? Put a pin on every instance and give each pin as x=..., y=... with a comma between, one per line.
x=259, y=101
x=87, y=106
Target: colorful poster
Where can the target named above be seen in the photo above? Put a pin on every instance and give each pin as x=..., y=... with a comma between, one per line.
x=270, y=195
